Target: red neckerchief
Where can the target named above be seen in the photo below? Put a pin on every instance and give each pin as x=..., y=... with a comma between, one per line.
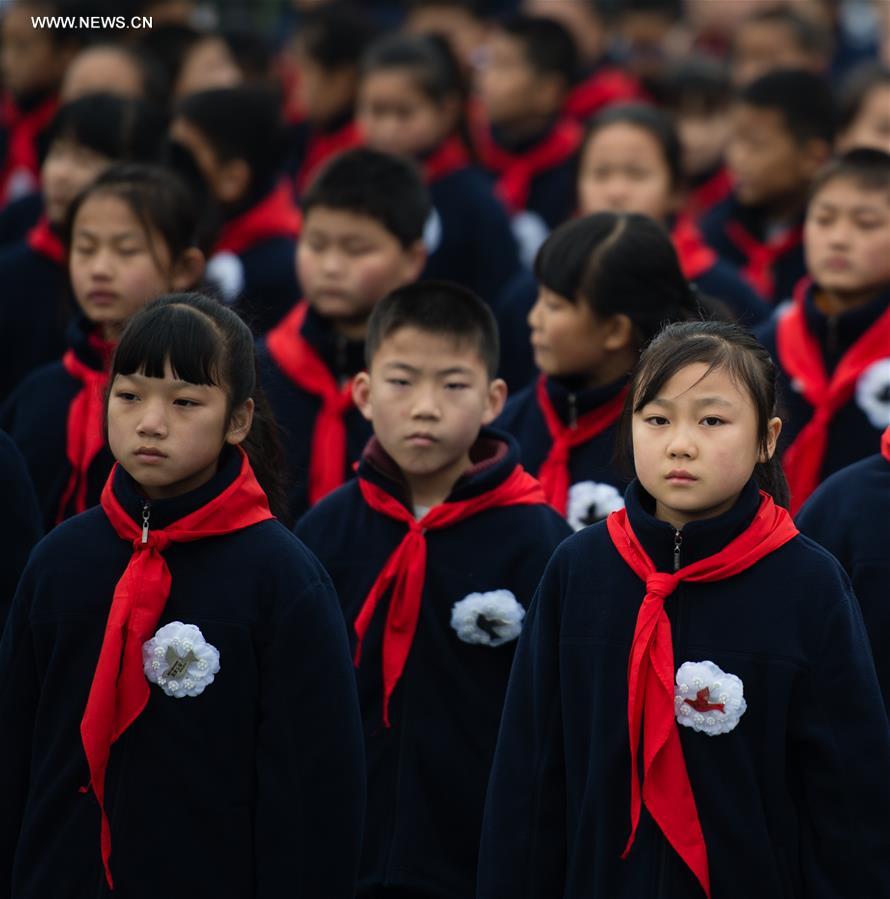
x=606, y=85
x=23, y=129
x=761, y=257
x=517, y=170
x=885, y=444
x=85, y=437
x=554, y=471
x=322, y=146
x=43, y=240
x=297, y=358
x=119, y=691
x=405, y=569
x=275, y=215
x=708, y=194
x=666, y=790
x=450, y=156
x=695, y=256
x=801, y=358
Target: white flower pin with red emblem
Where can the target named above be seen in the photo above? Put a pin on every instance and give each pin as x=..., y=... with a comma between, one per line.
x=707, y=699
x=179, y=660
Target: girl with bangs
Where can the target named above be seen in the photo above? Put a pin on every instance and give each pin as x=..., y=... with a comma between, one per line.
x=176, y=693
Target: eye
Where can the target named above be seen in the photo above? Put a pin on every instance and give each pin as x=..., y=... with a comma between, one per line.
x=125, y=395
x=456, y=386
x=185, y=402
x=712, y=421
x=656, y=420
x=397, y=382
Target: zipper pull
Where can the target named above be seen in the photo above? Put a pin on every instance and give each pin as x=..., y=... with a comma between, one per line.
x=573, y=411
x=146, y=511
x=678, y=542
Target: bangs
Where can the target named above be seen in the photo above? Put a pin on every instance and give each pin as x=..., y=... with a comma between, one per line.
x=174, y=333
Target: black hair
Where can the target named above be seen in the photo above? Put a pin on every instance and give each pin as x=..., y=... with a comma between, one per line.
x=476, y=8
x=618, y=264
x=809, y=35
x=855, y=89
x=441, y=308
x=803, y=100
x=719, y=345
x=698, y=86
x=116, y=127
x=547, y=45
x=205, y=342
x=166, y=45
x=385, y=188
x=335, y=36
x=240, y=123
x=655, y=122
x=156, y=196
x=866, y=167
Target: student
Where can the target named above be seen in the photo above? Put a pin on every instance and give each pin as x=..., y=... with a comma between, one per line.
x=411, y=101
x=327, y=48
x=630, y=161
x=435, y=602
x=864, y=110
x=363, y=237
x=86, y=137
x=235, y=138
x=131, y=238
x=20, y=525
x=782, y=131
x=607, y=283
x=463, y=24
x=832, y=345
x=32, y=63
x=111, y=68
x=524, y=141
x=178, y=656
x=849, y=514
x=764, y=767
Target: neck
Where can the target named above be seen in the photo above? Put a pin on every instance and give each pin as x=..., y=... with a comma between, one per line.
x=612, y=368
x=785, y=210
x=831, y=302
x=677, y=518
x=431, y=489
x=524, y=129
x=351, y=329
x=111, y=331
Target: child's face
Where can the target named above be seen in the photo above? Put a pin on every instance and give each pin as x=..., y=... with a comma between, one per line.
x=29, y=60
x=427, y=396
x=623, y=170
x=695, y=445
x=347, y=262
x=115, y=266
x=871, y=127
x=228, y=180
x=67, y=169
x=208, y=65
x=761, y=47
x=704, y=139
x=396, y=117
x=323, y=94
x=168, y=434
x=847, y=239
x=102, y=70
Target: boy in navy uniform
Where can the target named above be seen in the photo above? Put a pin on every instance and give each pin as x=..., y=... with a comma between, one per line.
x=363, y=237
x=436, y=601
x=781, y=135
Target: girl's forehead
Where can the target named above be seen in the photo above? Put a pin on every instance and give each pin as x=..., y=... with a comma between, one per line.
x=699, y=379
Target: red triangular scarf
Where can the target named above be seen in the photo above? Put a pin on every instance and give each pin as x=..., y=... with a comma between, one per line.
x=450, y=156
x=43, y=240
x=296, y=357
x=708, y=194
x=605, y=86
x=885, y=444
x=554, y=472
x=695, y=256
x=761, y=257
x=85, y=436
x=666, y=790
x=23, y=129
x=322, y=146
x=119, y=691
x=405, y=569
x=518, y=170
x=801, y=358
x=275, y=215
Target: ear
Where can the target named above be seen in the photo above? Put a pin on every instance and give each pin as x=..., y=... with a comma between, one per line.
x=361, y=394
x=619, y=332
x=497, y=396
x=187, y=270
x=240, y=422
x=414, y=262
x=774, y=428
x=233, y=180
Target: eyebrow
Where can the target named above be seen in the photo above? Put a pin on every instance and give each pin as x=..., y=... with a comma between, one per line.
x=443, y=373
x=702, y=401
x=174, y=384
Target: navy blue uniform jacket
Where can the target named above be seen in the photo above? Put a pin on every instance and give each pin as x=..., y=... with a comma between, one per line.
x=254, y=788
x=427, y=773
x=36, y=417
x=793, y=801
x=849, y=514
x=856, y=428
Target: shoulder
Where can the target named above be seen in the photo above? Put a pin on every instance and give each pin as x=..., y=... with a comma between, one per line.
x=336, y=511
x=848, y=495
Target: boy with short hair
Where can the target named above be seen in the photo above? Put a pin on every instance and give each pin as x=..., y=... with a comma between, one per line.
x=454, y=536
x=832, y=345
x=363, y=221
x=782, y=128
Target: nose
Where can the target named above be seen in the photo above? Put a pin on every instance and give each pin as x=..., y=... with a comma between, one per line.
x=153, y=421
x=681, y=444
x=425, y=406
x=534, y=315
x=101, y=265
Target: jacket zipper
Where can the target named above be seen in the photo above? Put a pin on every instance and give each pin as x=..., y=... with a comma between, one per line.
x=146, y=513
x=831, y=337
x=678, y=542
x=573, y=411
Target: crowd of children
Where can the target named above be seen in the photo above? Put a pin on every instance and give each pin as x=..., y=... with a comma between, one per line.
x=446, y=454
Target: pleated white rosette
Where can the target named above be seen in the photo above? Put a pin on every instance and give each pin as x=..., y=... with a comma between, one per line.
x=590, y=502
x=179, y=660
x=488, y=619
x=707, y=699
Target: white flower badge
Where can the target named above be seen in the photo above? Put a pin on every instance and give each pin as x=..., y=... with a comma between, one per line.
x=590, y=502
x=488, y=619
x=225, y=271
x=873, y=393
x=707, y=699
x=179, y=660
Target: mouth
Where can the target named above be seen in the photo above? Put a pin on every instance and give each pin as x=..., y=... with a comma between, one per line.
x=101, y=297
x=680, y=476
x=149, y=454
x=421, y=438
x=837, y=264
